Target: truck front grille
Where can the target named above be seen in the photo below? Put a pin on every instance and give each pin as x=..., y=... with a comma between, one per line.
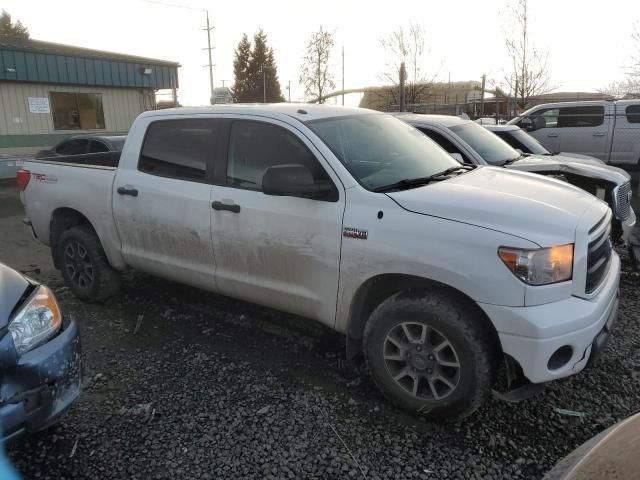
x=598, y=257
x=622, y=201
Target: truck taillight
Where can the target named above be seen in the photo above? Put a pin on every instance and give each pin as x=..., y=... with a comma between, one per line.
x=22, y=178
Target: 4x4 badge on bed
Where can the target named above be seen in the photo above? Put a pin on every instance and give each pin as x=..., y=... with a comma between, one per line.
x=351, y=232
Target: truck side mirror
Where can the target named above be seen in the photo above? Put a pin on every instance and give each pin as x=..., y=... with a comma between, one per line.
x=527, y=124
x=294, y=180
x=537, y=123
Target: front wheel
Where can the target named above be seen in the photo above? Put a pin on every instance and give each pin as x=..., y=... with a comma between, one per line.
x=430, y=354
x=84, y=265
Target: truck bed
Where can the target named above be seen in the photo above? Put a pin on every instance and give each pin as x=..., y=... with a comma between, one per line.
x=80, y=184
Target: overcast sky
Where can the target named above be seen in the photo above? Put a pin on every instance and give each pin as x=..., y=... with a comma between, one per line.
x=589, y=43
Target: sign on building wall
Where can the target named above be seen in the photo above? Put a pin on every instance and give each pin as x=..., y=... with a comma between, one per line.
x=39, y=105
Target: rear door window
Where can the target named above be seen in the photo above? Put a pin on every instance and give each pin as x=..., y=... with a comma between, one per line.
x=98, y=147
x=180, y=149
x=633, y=113
x=77, y=146
x=581, y=117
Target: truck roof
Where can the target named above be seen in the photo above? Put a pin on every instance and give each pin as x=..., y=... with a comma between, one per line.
x=501, y=128
x=443, y=120
x=301, y=111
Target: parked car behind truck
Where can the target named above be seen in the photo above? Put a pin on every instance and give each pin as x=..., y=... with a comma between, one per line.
x=473, y=144
x=608, y=130
x=84, y=144
x=353, y=219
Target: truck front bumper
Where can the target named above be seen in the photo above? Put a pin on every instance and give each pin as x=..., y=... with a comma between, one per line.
x=565, y=334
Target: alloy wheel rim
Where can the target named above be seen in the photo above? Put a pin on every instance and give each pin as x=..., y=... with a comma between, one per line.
x=78, y=265
x=421, y=360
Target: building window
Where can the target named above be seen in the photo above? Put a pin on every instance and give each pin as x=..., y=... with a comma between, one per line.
x=77, y=111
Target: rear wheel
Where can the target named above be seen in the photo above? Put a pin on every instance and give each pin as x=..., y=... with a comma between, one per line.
x=84, y=265
x=430, y=354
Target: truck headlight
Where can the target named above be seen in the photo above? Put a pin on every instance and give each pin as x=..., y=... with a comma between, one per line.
x=539, y=267
x=37, y=321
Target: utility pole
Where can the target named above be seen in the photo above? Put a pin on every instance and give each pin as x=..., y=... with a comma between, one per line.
x=484, y=79
x=289, y=90
x=209, y=48
x=223, y=83
x=264, y=85
x=343, y=76
x=403, y=77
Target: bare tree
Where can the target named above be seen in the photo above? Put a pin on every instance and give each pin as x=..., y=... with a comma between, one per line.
x=630, y=85
x=529, y=75
x=635, y=56
x=316, y=77
x=622, y=88
x=406, y=45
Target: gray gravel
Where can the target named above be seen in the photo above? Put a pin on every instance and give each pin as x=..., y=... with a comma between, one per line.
x=208, y=387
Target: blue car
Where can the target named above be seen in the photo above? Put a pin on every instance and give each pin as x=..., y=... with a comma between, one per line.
x=40, y=356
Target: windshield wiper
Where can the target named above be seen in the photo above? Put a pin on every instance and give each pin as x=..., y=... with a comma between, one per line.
x=416, y=182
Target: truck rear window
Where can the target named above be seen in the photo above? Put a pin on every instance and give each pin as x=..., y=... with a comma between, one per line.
x=178, y=148
x=633, y=113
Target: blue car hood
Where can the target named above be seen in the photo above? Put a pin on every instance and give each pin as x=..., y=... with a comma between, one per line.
x=13, y=285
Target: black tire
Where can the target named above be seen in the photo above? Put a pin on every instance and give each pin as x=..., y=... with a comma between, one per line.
x=449, y=320
x=84, y=265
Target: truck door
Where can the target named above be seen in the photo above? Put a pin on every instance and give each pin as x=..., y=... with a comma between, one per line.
x=161, y=202
x=584, y=129
x=625, y=145
x=544, y=127
x=278, y=251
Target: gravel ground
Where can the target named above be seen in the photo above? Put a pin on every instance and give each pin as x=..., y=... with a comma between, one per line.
x=184, y=384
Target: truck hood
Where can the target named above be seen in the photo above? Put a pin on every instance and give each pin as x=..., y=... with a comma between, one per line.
x=579, y=156
x=12, y=286
x=586, y=167
x=539, y=209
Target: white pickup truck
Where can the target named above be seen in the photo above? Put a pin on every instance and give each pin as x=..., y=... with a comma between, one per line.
x=608, y=130
x=435, y=270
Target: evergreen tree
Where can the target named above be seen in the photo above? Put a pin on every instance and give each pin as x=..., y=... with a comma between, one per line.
x=10, y=29
x=241, y=85
x=262, y=74
x=274, y=93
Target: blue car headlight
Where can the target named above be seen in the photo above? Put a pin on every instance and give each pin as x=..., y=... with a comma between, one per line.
x=37, y=321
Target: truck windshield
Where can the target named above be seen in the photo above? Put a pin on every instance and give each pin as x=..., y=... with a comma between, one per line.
x=379, y=150
x=522, y=140
x=493, y=150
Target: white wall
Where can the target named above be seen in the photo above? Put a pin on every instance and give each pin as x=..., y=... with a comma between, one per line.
x=121, y=106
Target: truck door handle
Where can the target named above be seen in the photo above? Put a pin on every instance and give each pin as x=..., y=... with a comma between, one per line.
x=127, y=191
x=598, y=134
x=552, y=135
x=231, y=207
